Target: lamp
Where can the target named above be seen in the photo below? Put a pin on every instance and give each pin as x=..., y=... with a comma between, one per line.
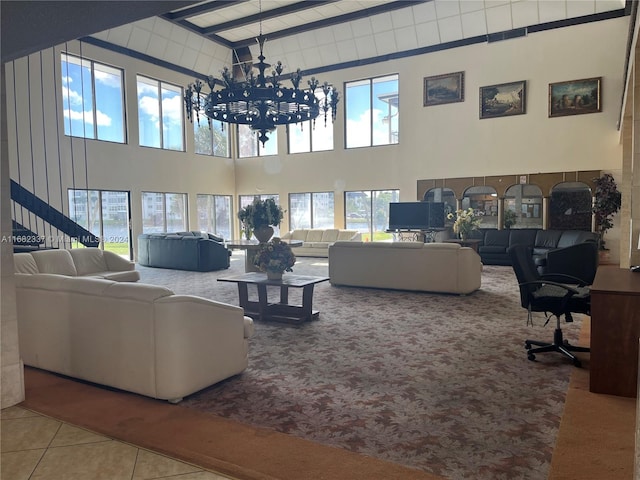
x=260, y=102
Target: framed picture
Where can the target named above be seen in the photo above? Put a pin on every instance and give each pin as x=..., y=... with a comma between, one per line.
x=575, y=97
x=441, y=89
x=503, y=100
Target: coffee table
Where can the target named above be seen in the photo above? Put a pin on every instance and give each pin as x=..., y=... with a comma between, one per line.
x=251, y=247
x=281, y=311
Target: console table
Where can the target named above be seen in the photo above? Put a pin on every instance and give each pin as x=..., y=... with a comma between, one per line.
x=615, y=329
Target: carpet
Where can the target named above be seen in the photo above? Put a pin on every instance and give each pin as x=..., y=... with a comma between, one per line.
x=438, y=383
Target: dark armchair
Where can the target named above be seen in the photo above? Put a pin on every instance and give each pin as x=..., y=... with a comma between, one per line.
x=580, y=261
x=553, y=298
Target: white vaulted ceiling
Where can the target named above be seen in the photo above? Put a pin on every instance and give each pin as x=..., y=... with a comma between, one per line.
x=312, y=34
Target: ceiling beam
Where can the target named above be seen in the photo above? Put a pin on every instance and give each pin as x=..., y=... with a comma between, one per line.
x=200, y=9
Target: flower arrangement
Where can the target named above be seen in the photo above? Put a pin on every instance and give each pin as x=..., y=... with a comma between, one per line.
x=274, y=256
x=465, y=222
x=260, y=213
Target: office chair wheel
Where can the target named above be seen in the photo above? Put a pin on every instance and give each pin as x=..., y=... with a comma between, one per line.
x=577, y=363
x=531, y=356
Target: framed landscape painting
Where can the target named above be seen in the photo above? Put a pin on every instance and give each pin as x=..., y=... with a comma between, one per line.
x=441, y=89
x=503, y=100
x=575, y=97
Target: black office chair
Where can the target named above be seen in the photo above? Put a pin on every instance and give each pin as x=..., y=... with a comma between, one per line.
x=551, y=297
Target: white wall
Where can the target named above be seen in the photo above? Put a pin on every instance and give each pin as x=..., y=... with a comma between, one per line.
x=443, y=141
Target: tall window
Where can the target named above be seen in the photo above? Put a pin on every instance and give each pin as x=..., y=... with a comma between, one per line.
x=312, y=135
x=211, y=138
x=214, y=214
x=368, y=212
x=311, y=210
x=484, y=201
x=372, y=112
x=164, y=212
x=525, y=203
x=245, y=200
x=570, y=207
x=92, y=98
x=160, y=121
x=106, y=215
x=250, y=146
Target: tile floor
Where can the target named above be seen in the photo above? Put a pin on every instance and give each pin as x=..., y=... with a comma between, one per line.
x=36, y=447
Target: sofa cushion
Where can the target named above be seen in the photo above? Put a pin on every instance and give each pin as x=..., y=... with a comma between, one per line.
x=137, y=291
x=88, y=260
x=55, y=261
x=346, y=234
x=24, y=263
x=525, y=236
x=314, y=235
x=299, y=234
x=497, y=238
x=216, y=238
x=317, y=244
x=330, y=235
x=569, y=238
x=546, y=239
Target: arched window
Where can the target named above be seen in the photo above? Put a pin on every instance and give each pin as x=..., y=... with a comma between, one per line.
x=570, y=207
x=444, y=195
x=523, y=204
x=484, y=201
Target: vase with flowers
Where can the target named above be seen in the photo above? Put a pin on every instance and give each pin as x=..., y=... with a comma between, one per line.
x=274, y=258
x=466, y=221
x=259, y=218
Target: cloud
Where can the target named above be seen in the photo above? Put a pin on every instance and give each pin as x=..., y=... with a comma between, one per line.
x=73, y=97
x=172, y=109
x=107, y=79
x=104, y=120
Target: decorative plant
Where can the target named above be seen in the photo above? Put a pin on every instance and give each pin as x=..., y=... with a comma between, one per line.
x=607, y=204
x=260, y=213
x=274, y=256
x=465, y=222
x=510, y=218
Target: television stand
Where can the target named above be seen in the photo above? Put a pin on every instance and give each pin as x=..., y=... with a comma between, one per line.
x=407, y=235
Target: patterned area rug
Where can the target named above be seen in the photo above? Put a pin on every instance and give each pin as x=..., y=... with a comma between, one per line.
x=436, y=382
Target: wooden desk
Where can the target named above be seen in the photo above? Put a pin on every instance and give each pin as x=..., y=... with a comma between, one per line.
x=615, y=329
x=281, y=311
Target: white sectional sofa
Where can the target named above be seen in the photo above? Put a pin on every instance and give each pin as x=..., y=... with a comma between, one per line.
x=428, y=267
x=77, y=262
x=316, y=242
x=132, y=336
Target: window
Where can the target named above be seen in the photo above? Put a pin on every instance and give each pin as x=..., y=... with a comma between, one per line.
x=570, y=207
x=92, y=100
x=368, y=212
x=160, y=123
x=214, y=214
x=245, y=200
x=525, y=201
x=106, y=215
x=312, y=135
x=311, y=210
x=372, y=112
x=211, y=138
x=484, y=201
x=164, y=212
x=250, y=146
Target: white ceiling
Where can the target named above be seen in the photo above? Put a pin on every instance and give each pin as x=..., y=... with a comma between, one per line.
x=310, y=38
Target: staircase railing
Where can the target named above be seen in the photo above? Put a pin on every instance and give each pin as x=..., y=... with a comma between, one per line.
x=55, y=218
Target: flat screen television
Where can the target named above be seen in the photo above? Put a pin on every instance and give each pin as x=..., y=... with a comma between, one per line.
x=416, y=215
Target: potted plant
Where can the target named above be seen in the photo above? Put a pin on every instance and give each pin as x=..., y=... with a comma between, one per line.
x=274, y=258
x=607, y=203
x=259, y=217
x=510, y=218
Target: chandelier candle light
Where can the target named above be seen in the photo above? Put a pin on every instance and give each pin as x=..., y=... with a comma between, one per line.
x=260, y=102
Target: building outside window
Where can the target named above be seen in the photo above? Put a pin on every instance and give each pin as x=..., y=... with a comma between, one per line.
x=311, y=210
x=371, y=111
x=211, y=138
x=368, y=212
x=92, y=99
x=214, y=215
x=250, y=146
x=160, y=118
x=164, y=212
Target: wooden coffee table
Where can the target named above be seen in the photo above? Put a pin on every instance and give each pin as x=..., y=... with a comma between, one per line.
x=281, y=311
x=251, y=247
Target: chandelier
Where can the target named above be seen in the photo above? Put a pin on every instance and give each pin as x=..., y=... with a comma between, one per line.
x=261, y=102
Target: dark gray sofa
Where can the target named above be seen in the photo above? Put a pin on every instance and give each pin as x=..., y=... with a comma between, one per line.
x=570, y=252
x=196, y=251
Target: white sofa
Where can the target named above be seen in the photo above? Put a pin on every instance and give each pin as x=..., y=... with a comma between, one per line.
x=428, y=267
x=77, y=262
x=132, y=336
x=316, y=242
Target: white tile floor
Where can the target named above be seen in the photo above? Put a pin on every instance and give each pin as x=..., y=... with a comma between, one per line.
x=36, y=447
